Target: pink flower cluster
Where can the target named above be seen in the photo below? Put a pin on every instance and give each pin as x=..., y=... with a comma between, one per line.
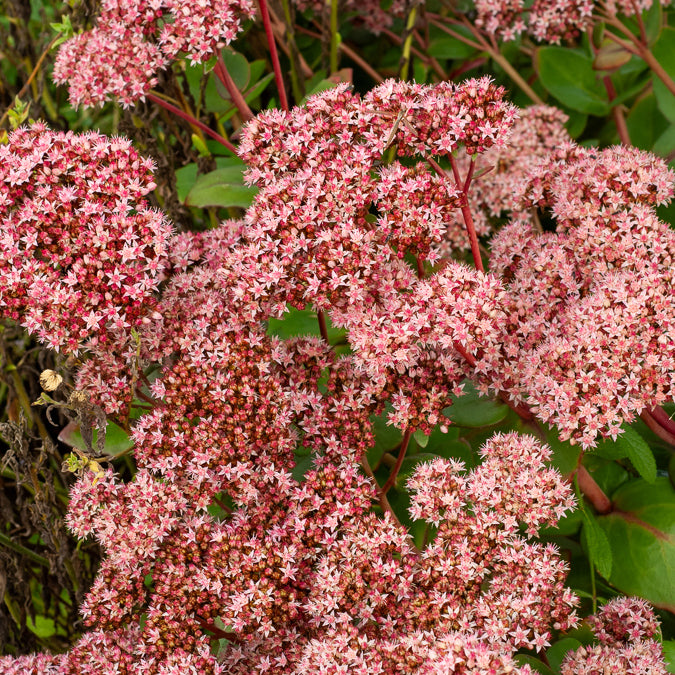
x=551, y=21
x=625, y=628
x=220, y=556
x=496, y=192
x=80, y=250
x=134, y=39
x=591, y=339
x=313, y=238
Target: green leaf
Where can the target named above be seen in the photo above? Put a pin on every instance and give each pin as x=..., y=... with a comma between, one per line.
x=302, y=322
x=569, y=76
x=597, y=544
x=43, y=627
x=665, y=144
x=610, y=56
x=669, y=654
x=221, y=188
x=117, y=440
x=302, y=465
x=444, y=46
x=639, y=453
x=653, y=19
x=556, y=653
x=421, y=439
x=238, y=68
x=565, y=456
x=646, y=123
x=641, y=533
x=665, y=55
x=473, y=410
x=185, y=179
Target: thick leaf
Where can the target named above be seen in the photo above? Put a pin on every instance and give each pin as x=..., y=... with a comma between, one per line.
x=557, y=652
x=444, y=46
x=238, y=68
x=421, y=439
x=472, y=410
x=569, y=76
x=653, y=19
x=117, y=440
x=630, y=444
x=302, y=322
x=639, y=453
x=646, y=123
x=669, y=654
x=665, y=145
x=565, y=456
x=597, y=544
x=665, y=55
x=302, y=465
x=43, y=627
x=610, y=56
x=221, y=188
x=641, y=533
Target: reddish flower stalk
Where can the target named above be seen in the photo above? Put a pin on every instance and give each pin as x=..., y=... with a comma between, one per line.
x=322, y=325
x=399, y=461
x=192, y=120
x=224, y=76
x=658, y=425
x=466, y=213
x=592, y=491
x=274, y=54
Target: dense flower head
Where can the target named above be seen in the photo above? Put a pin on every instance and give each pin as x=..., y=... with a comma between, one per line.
x=437, y=119
x=83, y=251
x=220, y=406
x=625, y=628
x=551, y=21
x=134, y=39
x=478, y=563
x=590, y=338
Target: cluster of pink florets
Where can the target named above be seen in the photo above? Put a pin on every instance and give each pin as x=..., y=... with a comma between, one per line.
x=625, y=628
x=552, y=21
x=81, y=252
x=216, y=538
x=590, y=339
x=134, y=39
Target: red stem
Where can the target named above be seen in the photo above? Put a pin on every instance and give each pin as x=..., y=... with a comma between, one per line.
x=657, y=425
x=274, y=55
x=224, y=76
x=662, y=417
x=592, y=491
x=322, y=326
x=466, y=214
x=192, y=120
x=399, y=461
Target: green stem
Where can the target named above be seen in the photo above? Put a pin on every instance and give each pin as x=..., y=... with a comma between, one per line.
x=10, y=543
x=494, y=54
x=296, y=84
x=407, y=43
x=334, y=36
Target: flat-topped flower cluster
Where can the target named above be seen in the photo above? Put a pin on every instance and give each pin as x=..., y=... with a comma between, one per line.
x=218, y=557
